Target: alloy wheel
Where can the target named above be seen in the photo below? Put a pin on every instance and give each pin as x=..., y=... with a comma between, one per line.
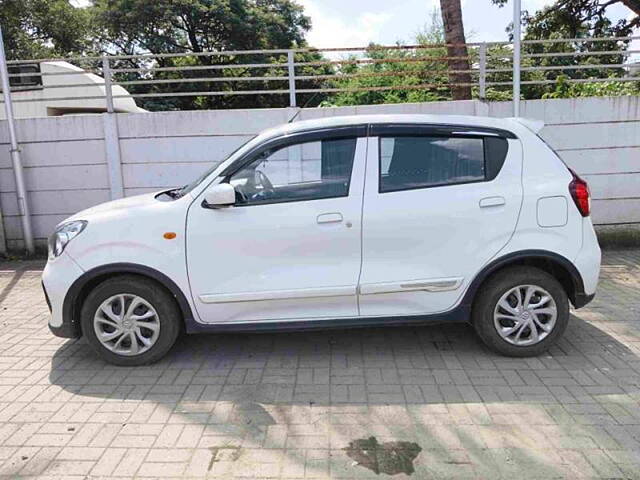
x=525, y=315
x=126, y=324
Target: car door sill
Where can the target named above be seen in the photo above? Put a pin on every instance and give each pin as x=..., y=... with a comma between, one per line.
x=458, y=314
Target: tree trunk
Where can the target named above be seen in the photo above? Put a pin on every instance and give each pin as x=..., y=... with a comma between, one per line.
x=454, y=35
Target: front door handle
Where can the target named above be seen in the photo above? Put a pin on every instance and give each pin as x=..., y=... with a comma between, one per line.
x=492, y=202
x=329, y=218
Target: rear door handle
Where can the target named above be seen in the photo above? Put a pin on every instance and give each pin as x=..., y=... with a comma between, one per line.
x=492, y=202
x=329, y=218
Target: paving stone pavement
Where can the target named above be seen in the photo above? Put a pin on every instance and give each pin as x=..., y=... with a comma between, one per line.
x=288, y=405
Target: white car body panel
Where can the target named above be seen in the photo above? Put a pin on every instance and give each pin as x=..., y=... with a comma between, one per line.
x=115, y=235
x=402, y=253
x=426, y=234
x=544, y=176
x=279, y=252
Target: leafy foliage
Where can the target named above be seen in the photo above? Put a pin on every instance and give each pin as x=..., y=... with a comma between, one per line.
x=576, y=18
x=197, y=26
x=164, y=26
x=580, y=19
x=612, y=88
x=393, y=69
x=43, y=28
x=552, y=23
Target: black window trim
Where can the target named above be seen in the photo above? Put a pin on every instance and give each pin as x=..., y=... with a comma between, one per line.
x=436, y=129
x=365, y=130
x=297, y=138
x=285, y=140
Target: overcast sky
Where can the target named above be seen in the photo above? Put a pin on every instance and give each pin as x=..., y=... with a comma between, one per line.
x=356, y=23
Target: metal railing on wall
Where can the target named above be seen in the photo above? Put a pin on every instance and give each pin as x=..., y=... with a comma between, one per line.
x=282, y=77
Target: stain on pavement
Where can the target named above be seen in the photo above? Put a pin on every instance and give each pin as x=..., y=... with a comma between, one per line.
x=389, y=458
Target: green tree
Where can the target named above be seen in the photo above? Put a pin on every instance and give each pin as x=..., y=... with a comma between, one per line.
x=611, y=88
x=164, y=26
x=382, y=75
x=581, y=19
x=43, y=28
x=572, y=16
x=195, y=26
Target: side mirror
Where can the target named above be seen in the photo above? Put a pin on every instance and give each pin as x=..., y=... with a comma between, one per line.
x=218, y=196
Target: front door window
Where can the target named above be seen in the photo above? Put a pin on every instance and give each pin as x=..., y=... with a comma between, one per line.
x=299, y=172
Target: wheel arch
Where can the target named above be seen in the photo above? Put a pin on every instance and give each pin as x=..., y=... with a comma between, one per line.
x=556, y=265
x=79, y=290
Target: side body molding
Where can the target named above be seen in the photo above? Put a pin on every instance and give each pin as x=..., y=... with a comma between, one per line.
x=428, y=285
x=279, y=295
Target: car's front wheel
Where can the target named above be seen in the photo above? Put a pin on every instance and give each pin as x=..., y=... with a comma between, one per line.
x=521, y=311
x=130, y=320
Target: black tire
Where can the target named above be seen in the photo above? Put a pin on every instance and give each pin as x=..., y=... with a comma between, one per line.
x=499, y=284
x=168, y=315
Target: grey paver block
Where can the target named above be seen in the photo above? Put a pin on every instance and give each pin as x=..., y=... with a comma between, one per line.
x=286, y=405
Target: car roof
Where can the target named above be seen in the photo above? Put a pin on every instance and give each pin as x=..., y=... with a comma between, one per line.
x=349, y=120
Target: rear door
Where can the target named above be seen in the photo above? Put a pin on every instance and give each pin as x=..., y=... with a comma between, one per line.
x=439, y=203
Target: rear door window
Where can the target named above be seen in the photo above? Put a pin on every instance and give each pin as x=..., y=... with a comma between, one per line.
x=423, y=161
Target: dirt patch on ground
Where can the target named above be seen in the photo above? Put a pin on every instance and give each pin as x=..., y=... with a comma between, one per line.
x=390, y=457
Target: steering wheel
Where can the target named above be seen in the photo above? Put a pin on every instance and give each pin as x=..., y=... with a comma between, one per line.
x=261, y=179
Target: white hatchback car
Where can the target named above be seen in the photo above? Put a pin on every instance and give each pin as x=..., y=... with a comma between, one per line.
x=341, y=222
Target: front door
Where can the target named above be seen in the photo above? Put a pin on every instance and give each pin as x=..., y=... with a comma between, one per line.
x=439, y=204
x=291, y=246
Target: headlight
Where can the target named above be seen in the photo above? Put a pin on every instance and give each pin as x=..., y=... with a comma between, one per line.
x=63, y=235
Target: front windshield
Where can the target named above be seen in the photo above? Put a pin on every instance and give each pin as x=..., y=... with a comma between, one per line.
x=238, y=151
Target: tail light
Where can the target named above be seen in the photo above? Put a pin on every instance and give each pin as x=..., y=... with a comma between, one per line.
x=580, y=193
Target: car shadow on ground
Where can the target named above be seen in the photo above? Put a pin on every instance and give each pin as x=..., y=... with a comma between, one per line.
x=435, y=390
x=253, y=359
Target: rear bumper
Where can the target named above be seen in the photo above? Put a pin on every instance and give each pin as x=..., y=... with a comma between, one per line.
x=588, y=262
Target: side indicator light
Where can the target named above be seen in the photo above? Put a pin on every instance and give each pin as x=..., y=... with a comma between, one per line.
x=170, y=235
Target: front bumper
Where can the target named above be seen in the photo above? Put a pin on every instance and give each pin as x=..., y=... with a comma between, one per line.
x=582, y=299
x=57, y=278
x=67, y=330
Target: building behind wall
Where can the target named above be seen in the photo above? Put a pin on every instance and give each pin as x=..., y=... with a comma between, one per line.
x=45, y=95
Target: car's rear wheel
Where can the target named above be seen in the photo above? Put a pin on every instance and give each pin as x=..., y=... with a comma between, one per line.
x=521, y=311
x=130, y=320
